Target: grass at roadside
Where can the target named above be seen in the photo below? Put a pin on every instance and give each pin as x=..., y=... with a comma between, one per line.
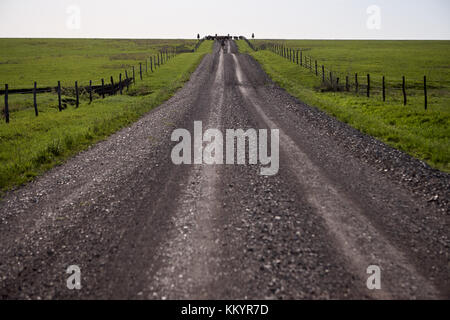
x=29, y=145
x=393, y=59
x=422, y=134
x=23, y=61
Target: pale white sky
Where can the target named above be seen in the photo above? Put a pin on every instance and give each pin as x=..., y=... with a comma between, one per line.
x=287, y=19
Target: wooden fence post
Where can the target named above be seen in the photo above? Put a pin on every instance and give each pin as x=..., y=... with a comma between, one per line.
x=36, y=112
x=77, y=98
x=151, y=64
x=103, y=88
x=140, y=70
x=384, y=89
x=90, y=91
x=6, y=104
x=112, y=86
x=347, y=87
x=301, y=58
x=297, y=57
x=134, y=78
x=425, y=91
x=337, y=83
x=120, y=83
x=316, y=68
x=126, y=78
x=146, y=65
x=59, y=96
x=368, y=86
x=404, y=90
x=323, y=73
x=356, y=83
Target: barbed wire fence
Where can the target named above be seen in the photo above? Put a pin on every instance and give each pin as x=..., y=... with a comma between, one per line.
x=104, y=87
x=397, y=90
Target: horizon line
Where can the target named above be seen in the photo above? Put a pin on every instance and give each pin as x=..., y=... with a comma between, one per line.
x=316, y=39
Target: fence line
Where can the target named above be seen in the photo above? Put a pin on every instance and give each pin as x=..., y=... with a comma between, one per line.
x=162, y=57
x=249, y=43
x=331, y=80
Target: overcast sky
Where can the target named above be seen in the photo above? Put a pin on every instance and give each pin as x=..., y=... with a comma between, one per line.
x=287, y=19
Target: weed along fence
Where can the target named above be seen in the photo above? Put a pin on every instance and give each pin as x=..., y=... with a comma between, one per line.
x=91, y=90
x=360, y=84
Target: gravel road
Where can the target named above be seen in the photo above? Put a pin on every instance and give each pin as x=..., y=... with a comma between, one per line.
x=140, y=227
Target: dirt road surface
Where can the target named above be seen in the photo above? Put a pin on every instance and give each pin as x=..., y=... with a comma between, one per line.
x=140, y=227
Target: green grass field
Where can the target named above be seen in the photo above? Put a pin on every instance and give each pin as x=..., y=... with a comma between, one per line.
x=30, y=145
x=23, y=61
x=393, y=59
x=423, y=134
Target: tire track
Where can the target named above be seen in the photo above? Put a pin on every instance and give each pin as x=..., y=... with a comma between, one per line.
x=141, y=227
x=357, y=239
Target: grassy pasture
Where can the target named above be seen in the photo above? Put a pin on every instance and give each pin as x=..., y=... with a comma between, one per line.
x=23, y=61
x=423, y=134
x=393, y=59
x=30, y=145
